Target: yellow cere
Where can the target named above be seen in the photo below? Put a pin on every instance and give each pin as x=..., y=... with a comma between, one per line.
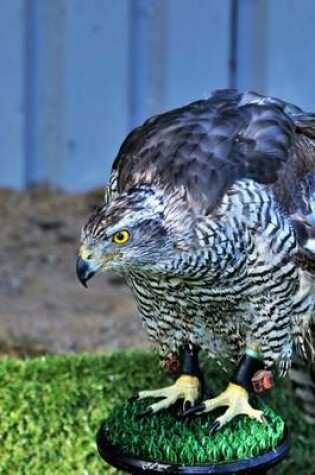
x=121, y=237
x=84, y=253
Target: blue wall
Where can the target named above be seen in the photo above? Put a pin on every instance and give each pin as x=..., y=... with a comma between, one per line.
x=76, y=75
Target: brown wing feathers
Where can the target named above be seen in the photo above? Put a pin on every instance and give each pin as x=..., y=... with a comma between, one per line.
x=207, y=145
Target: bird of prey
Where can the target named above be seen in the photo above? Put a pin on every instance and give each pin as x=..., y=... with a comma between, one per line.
x=210, y=214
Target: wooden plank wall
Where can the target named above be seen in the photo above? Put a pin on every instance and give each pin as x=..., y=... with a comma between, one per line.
x=77, y=75
x=276, y=49
x=12, y=113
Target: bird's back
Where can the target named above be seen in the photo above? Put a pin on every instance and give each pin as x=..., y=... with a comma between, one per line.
x=208, y=145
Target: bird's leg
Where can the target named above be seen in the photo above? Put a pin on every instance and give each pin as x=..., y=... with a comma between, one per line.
x=188, y=385
x=236, y=395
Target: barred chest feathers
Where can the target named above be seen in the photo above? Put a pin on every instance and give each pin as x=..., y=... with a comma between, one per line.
x=236, y=285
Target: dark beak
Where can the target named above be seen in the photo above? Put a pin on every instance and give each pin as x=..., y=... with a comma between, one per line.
x=84, y=271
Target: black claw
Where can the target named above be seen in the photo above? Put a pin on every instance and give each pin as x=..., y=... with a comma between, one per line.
x=264, y=420
x=199, y=408
x=187, y=406
x=144, y=413
x=215, y=427
x=134, y=397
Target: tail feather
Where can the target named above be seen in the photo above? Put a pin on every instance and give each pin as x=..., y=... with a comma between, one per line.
x=303, y=380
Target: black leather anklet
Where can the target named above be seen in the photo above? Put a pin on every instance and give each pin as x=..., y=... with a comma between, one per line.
x=247, y=367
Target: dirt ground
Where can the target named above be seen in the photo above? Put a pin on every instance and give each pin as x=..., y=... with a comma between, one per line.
x=43, y=307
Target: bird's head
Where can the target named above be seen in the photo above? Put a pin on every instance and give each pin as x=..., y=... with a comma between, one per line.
x=128, y=232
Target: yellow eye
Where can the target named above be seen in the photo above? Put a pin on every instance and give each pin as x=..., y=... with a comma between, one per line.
x=121, y=237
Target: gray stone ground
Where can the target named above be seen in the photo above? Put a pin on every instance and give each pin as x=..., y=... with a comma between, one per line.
x=43, y=308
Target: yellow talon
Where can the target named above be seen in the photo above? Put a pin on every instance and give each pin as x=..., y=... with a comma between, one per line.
x=236, y=398
x=186, y=387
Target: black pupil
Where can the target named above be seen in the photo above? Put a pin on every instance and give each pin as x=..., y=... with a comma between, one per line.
x=120, y=236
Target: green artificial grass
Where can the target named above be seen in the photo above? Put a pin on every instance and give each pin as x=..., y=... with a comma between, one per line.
x=164, y=437
x=51, y=409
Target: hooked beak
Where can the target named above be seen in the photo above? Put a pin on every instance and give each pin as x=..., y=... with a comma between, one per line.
x=84, y=273
x=85, y=267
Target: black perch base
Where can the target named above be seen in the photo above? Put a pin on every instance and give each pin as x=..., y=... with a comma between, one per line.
x=258, y=465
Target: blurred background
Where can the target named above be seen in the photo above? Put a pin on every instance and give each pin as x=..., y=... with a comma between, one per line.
x=76, y=76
